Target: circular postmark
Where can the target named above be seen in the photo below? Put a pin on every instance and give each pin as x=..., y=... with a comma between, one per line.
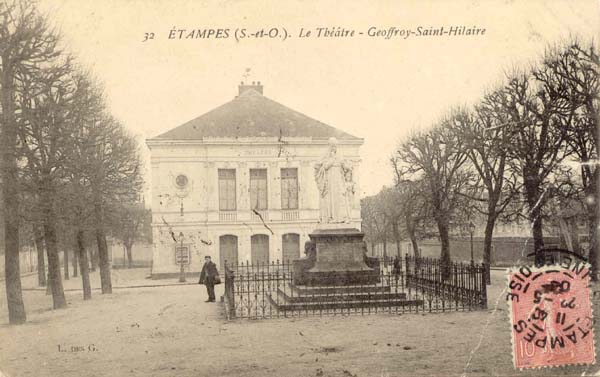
x=551, y=315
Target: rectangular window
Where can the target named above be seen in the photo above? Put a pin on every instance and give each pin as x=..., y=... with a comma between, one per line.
x=258, y=189
x=289, y=188
x=227, y=197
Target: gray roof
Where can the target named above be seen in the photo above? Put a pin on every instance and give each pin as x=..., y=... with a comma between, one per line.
x=250, y=115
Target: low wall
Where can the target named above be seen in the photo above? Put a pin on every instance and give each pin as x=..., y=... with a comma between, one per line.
x=141, y=255
x=506, y=251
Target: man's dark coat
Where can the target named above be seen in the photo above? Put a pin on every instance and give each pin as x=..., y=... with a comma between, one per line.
x=208, y=274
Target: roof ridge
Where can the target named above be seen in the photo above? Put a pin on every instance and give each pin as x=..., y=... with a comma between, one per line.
x=251, y=108
x=250, y=92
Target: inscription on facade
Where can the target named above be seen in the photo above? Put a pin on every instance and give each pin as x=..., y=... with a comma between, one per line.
x=259, y=152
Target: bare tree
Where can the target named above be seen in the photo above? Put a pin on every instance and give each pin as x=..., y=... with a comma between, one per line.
x=569, y=74
x=112, y=166
x=390, y=205
x=374, y=221
x=413, y=208
x=536, y=120
x=25, y=41
x=130, y=224
x=487, y=139
x=437, y=158
x=81, y=216
x=45, y=139
x=88, y=108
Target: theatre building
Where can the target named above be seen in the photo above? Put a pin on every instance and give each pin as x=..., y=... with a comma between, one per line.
x=237, y=183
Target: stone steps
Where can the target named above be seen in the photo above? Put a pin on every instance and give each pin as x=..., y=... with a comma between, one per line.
x=300, y=290
x=346, y=304
x=309, y=298
x=290, y=296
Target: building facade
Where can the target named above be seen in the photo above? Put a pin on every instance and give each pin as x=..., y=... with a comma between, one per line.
x=237, y=183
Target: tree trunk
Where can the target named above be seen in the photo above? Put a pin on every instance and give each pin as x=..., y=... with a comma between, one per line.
x=54, y=279
x=487, y=240
x=385, y=244
x=532, y=187
x=48, y=283
x=75, y=262
x=593, y=210
x=415, y=245
x=12, y=273
x=593, y=251
x=39, y=245
x=128, y=248
x=66, y=263
x=10, y=197
x=593, y=202
x=103, y=261
x=538, y=238
x=84, y=265
x=398, y=239
x=410, y=227
x=445, y=252
x=592, y=206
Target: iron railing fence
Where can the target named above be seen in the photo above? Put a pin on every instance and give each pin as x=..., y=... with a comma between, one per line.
x=458, y=282
x=266, y=290
x=390, y=261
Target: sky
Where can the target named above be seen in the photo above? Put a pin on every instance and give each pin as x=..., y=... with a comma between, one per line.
x=375, y=88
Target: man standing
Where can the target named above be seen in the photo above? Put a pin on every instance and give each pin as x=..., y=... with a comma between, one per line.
x=209, y=277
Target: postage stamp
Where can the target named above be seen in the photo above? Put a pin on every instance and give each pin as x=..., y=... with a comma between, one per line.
x=550, y=313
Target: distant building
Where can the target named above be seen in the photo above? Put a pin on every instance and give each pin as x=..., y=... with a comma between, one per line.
x=237, y=183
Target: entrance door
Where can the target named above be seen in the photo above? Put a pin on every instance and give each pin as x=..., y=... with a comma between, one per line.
x=290, y=247
x=228, y=250
x=259, y=249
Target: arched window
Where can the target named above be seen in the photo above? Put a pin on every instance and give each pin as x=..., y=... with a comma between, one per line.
x=290, y=246
x=228, y=250
x=259, y=248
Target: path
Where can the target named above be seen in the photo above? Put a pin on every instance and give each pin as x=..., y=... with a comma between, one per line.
x=170, y=331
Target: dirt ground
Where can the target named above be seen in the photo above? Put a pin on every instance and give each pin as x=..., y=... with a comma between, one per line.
x=169, y=330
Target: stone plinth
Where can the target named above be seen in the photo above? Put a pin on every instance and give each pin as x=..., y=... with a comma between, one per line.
x=339, y=259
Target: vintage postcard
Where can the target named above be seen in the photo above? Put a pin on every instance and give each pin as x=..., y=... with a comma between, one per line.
x=299, y=188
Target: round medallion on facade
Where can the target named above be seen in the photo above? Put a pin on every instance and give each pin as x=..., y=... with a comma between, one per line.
x=181, y=181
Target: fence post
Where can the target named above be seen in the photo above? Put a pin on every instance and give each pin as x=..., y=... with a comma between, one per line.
x=484, y=275
x=229, y=291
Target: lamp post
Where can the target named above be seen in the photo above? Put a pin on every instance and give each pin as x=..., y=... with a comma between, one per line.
x=181, y=260
x=471, y=231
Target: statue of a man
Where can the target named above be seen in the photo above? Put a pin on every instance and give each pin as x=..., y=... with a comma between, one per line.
x=334, y=180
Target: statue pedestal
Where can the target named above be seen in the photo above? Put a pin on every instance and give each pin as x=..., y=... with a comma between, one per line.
x=339, y=259
x=337, y=275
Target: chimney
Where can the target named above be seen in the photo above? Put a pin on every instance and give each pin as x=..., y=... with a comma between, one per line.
x=256, y=85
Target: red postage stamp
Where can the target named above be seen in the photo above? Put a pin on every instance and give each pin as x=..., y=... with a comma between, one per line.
x=551, y=315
